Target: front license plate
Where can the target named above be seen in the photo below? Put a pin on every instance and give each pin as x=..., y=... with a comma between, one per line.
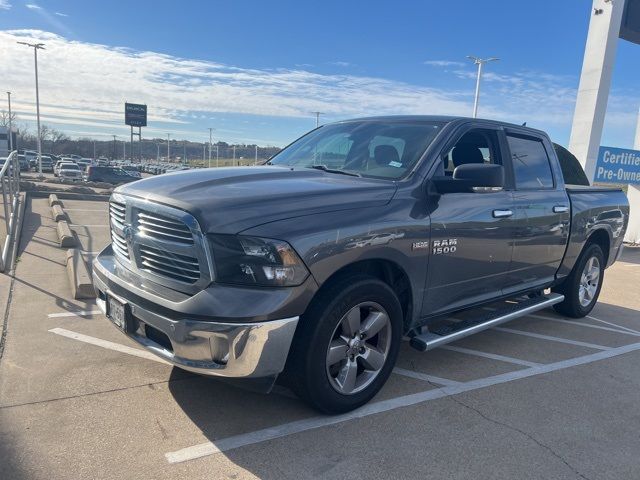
x=117, y=313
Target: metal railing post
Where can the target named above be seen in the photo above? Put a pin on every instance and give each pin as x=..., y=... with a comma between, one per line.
x=9, y=180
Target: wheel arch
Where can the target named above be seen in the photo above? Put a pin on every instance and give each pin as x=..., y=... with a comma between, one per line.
x=602, y=238
x=384, y=270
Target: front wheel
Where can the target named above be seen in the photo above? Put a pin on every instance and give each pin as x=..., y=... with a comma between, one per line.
x=347, y=344
x=582, y=287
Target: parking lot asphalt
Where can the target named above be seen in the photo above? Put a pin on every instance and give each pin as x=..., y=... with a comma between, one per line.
x=542, y=397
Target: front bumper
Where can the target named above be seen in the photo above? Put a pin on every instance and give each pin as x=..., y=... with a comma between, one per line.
x=217, y=348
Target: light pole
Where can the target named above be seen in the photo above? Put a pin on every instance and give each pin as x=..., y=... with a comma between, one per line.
x=210, y=139
x=217, y=146
x=234, y=155
x=255, y=162
x=113, y=157
x=317, y=114
x=158, y=152
x=36, y=47
x=10, y=129
x=168, y=148
x=480, y=62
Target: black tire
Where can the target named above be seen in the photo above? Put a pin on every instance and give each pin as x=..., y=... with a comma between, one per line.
x=570, y=287
x=307, y=372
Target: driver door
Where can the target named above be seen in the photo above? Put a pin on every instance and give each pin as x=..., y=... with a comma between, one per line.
x=471, y=233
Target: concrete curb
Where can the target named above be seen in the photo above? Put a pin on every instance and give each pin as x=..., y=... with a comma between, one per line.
x=53, y=200
x=79, y=276
x=61, y=195
x=58, y=213
x=65, y=235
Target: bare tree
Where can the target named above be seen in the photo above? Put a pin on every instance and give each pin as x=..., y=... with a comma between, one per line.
x=4, y=118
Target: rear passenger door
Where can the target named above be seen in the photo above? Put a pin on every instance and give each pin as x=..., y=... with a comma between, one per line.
x=541, y=211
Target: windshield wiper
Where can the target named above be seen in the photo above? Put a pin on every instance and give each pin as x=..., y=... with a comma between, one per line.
x=324, y=168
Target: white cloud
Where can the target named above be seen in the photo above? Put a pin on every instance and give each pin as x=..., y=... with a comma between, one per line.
x=60, y=14
x=443, y=63
x=5, y=5
x=84, y=84
x=33, y=6
x=340, y=64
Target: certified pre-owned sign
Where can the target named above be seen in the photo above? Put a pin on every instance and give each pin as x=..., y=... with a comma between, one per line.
x=135, y=115
x=618, y=165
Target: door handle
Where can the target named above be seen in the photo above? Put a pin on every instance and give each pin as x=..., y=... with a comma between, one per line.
x=502, y=213
x=560, y=209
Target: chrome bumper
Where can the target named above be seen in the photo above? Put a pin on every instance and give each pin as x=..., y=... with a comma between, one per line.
x=238, y=350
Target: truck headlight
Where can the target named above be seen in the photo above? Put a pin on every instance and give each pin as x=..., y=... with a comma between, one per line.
x=256, y=261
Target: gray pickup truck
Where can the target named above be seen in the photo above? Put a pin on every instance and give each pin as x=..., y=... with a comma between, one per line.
x=312, y=267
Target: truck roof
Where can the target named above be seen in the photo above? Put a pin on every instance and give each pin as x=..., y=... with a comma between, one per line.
x=435, y=118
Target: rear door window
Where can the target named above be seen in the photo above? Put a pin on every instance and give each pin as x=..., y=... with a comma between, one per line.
x=530, y=160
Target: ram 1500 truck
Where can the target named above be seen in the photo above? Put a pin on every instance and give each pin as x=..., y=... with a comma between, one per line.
x=314, y=265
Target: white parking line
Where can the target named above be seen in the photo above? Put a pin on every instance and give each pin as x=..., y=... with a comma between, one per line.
x=98, y=342
x=492, y=356
x=619, y=329
x=552, y=339
x=279, y=431
x=87, y=226
x=105, y=210
x=613, y=324
x=424, y=376
x=79, y=313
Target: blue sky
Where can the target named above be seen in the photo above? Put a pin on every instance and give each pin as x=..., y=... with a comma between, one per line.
x=254, y=70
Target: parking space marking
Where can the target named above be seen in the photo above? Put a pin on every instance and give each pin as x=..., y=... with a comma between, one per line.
x=79, y=313
x=424, y=376
x=618, y=329
x=85, y=210
x=87, y=226
x=492, y=356
x=98, y=342
x=613, y=324
x=283, y=430
x=552, y=339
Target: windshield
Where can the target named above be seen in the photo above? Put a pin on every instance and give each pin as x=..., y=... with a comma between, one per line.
x=69, y=167
x=368, y=148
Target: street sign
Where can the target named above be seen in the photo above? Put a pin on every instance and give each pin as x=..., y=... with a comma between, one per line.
x=135, y=115
x=618, y=165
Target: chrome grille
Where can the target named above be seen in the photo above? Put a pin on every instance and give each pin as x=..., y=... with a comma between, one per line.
x=182, y=268
x=119, y=245
x=158, y=242
x=117, y=212
x=162, y=228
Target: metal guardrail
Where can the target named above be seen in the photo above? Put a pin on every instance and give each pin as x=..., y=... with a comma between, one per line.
x=10, y=186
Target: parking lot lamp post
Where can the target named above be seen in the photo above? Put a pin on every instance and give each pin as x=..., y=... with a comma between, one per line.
x=168, y=147
x=479, y=62
x=10, y=128
x=256, y=157
x=210, y=133
x=234, y=155
x=36, y=47
x=217, y=155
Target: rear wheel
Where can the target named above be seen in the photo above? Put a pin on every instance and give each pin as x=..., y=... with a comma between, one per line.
x=347, y=344
x=582, y=287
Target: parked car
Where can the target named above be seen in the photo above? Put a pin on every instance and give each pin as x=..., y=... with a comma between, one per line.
x=59, y=163
x=132, y=170
x=47, y=164
x=317, y=272
x=69, y=171
x=108, y=175
x=24, y=163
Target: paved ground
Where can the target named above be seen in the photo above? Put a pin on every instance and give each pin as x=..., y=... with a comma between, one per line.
x=543, y=397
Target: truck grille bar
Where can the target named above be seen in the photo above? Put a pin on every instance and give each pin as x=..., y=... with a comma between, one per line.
x=158, y=242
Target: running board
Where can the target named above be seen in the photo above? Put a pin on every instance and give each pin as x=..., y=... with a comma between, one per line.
x=450, y=333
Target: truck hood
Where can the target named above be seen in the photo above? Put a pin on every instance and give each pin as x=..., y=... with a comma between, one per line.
x=230, y=200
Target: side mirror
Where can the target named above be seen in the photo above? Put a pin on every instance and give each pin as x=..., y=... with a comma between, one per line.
x=472, y=177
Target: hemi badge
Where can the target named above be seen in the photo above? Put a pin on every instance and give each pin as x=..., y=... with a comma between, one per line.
x=420, y=245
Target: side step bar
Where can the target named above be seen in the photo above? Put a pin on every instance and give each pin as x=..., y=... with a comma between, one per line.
x=450, y=333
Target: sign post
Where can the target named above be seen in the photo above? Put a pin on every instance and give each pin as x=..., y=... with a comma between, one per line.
x=135, y=115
